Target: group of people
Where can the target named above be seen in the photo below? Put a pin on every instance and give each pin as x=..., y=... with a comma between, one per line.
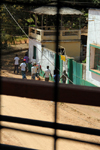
x=35, y=70
x=56, y=75
x=23, y=65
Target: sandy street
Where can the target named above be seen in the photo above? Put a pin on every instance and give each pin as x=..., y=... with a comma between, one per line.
x=44, y=110
x=79, y=115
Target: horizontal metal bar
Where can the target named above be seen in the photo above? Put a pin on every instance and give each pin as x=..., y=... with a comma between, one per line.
x=66, y=4
x=49, y=135
x=27, y=131
x=45, y=90
x=51, y=125
x=24, y=3
x=10, y=147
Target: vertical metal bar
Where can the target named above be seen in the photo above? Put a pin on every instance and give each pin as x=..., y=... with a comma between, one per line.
x=61, y=21
x=56, y=69
x=0, y=69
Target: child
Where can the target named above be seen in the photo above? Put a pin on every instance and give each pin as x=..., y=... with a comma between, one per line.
x=23, y=69
x=64, y=76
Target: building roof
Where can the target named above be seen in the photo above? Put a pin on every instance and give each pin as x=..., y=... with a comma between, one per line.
x=50, y=10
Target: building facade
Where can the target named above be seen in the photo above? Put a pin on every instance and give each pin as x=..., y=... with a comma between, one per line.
x=69, y=39
x=93, y=48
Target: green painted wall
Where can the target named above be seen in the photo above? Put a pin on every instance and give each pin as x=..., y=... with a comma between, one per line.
x=61, y=68
x=75, y=73
x=70, y=70
x=86, y=83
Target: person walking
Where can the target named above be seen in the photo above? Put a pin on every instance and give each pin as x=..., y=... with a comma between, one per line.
x=38, y=70
x=56, y=74
x=27, y=60
x=23, y=69
x=47, y=73
x=64, y=76
x=16, y=63
x=34, y=71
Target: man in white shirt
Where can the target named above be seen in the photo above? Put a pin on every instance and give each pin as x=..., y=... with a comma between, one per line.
x=33, y=71
x=23, y=68
x=47, y=73
x=16, y=63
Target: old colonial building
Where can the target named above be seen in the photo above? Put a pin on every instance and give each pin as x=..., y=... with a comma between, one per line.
x=45, y=36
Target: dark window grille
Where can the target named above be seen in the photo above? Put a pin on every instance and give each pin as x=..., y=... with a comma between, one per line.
x=87, y=95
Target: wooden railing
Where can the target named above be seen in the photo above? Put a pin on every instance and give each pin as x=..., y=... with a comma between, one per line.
x=42, y=34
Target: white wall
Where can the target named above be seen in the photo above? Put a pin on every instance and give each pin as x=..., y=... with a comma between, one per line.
x=48, y=59
x=45, y=56
x=32, y=43
x=93, y=38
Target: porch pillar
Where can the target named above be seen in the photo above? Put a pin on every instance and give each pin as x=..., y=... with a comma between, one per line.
x=35, y=20
x=42, y=21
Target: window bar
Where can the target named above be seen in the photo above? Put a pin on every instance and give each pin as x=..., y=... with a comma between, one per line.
x=56, y=70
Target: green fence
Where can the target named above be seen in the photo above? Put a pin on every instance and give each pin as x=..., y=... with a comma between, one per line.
x=70, y=70
x=75, y=73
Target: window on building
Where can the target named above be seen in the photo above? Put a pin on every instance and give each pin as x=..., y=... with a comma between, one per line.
x=34, y=52
x=95, y=58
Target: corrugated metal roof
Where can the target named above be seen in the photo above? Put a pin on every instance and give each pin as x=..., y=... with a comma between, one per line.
x=50, y=10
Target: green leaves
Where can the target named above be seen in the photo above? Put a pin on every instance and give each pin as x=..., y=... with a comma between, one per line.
x=96, y=2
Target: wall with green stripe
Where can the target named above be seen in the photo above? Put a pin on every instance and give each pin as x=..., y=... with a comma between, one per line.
x=75, y=73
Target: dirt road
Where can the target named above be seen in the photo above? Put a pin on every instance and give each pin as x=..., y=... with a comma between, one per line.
x=87, y=116
x=44, y=110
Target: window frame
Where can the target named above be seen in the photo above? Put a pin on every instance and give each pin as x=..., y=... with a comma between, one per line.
x=90, y=69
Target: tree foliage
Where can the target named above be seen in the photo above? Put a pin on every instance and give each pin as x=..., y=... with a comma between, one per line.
x=9, y=29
